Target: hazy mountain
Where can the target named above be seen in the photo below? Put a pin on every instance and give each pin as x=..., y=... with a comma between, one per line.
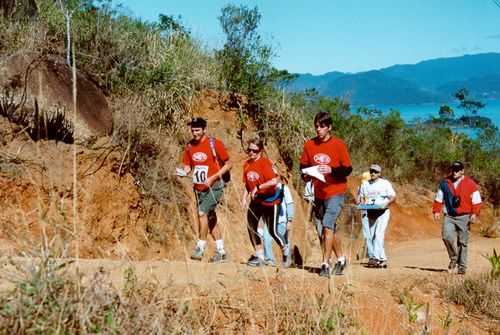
x=373, y=87
x=486, y=87
x=308, y=80
x=431, y=81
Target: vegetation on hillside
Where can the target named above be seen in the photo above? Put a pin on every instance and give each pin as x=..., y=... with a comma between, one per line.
x=158, y=68
x=151, y=72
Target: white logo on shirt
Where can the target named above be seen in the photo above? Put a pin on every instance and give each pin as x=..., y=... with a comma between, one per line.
x=199, y=157
x=252, y=176
x=321, y=159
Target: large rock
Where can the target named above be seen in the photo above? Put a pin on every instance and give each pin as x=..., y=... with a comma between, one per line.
x=12, y=8
x=36, y=91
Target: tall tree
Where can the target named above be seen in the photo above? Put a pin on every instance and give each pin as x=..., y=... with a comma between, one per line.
x=468, y=105
x=245, y=58
x=68, y=8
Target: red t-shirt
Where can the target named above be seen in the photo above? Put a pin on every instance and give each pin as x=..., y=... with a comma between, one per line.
x=199, y=156
x=332, y=153
x=256, y=173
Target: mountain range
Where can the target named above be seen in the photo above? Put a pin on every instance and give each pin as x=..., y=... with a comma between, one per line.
x=430, y=81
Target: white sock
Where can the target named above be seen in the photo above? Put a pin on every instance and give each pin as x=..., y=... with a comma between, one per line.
x=201, y=245
x=220, y=246
x=341, y=259
x=325, y=264
x=260, y=253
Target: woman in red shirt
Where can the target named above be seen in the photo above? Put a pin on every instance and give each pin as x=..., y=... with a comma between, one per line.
x=260, y=182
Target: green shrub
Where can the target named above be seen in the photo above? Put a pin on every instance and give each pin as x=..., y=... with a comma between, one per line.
x=495, y=264
x=478, y=295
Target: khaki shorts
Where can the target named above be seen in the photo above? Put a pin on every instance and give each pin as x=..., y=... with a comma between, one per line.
x=208, y=200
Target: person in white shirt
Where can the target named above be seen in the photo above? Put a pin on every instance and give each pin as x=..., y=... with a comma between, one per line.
x=365, y=224
x=285, y=220
x=377, y=192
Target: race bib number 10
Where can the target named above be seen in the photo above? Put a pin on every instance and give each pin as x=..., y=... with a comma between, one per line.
x=200, y=174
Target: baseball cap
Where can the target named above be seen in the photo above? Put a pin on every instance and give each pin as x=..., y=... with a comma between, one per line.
x=457, y=166
x=197, y=122
x=376, y=167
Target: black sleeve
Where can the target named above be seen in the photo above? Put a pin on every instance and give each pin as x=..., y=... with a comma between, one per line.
x=302, y=166
x=341, y=171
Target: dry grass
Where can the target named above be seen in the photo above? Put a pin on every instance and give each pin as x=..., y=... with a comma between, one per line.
x=45, y=297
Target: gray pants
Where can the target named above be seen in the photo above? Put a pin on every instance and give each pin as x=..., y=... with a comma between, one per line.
x=457, y=227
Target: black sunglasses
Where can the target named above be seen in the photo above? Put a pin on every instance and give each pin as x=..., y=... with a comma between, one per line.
x=252, y=150
x=373, y=171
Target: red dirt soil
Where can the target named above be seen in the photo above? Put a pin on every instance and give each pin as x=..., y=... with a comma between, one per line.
x=116, y=227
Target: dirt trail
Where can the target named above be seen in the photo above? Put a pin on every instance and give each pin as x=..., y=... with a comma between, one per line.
x=119, y=231
x=423, y=257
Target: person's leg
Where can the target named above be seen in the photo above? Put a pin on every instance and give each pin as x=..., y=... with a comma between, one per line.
x=318, y=211
x=202, y=226
x=268, y=246
x=327, y=244
x=207, y=203
x=463, y=230
x=330, y=239
x=449, y=232
x=254, y=214
x=378, y=241
x=220, y=254
x=333, y=208
x=283, y=232
x=366, y=234
x=271, y=216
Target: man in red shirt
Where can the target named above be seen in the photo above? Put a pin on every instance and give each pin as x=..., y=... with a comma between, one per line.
x=328, y=160
x=207, y=159
x=462, y=204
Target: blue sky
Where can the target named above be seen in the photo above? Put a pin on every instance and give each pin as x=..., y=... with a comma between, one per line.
x=320, y=36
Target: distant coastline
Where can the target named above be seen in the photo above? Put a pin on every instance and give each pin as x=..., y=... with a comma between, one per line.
x=423, y=112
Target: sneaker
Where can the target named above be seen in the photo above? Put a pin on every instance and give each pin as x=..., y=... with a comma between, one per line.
x=287, y=260
x=452, y=265
x=218, y=258
x=270, y=262
x=325, y=271
x=461, y=271
x=372, y=262
x=381, y=264
x=339, y=267
x=197, y=254
x=255, y=261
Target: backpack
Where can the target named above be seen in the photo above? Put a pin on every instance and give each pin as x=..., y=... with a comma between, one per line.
x=226, y=177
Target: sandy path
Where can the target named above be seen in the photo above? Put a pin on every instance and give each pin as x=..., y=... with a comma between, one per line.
x=414, y=257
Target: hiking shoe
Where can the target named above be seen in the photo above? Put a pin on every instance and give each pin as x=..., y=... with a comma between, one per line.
x=218, y=258
x=325, y=271
x=339, y=267
x=381, y=264
x=255, y=261
x=461, y=271
x=287, y=260
x=372, y=262
x=452, y=265
x=270, y=262
x=197, y=254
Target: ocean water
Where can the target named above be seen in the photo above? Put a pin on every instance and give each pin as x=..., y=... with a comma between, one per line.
x=411, y=113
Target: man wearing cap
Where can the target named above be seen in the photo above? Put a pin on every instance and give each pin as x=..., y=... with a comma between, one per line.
x=329, y=159
x=207, y=159
x=364, y=219
x=377, y=192
x=462, y=204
